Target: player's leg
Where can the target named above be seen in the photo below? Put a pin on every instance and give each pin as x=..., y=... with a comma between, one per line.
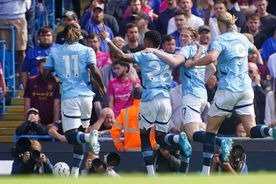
x=222, y=107
x=86, y=109
x=245, y=110
x=146, y=121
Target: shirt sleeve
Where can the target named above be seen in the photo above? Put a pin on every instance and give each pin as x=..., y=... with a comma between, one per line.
x=49, y=65
x=216, y=45
x=137, y=57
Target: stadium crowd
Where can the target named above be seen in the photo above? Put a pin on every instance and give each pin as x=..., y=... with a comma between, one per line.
x=119, y=45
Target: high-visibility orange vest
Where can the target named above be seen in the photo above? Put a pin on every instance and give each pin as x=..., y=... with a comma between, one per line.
x=127, y=122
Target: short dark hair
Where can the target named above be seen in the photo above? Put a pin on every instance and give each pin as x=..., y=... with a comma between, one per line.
x=122, y=63
x=92, y=36
x=253, y=16
x=130, y=25
x=167, y=38
x=44, y=30
x=154, y=37
x=178, y=12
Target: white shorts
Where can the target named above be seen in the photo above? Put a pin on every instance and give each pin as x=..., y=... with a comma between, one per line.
x=192, y=108
x=157, y=111
x=76, y=112
x=225, y=102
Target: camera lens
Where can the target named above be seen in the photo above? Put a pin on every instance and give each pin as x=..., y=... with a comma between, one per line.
x=35, y=154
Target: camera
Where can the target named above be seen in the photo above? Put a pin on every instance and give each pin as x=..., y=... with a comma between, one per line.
x=22, y=145
x=109, y=160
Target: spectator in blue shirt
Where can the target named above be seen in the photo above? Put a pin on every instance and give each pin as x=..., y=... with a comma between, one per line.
x=269, y=47
x=96, y=24
x=30, y=64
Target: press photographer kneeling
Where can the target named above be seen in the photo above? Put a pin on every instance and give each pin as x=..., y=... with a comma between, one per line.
x=28, y=158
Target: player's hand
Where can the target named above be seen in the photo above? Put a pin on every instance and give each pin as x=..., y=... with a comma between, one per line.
x=26, y=156
x=104, y=34
x=189, y=63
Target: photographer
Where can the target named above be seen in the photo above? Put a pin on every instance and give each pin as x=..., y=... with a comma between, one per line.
x=32, y=125
x=28, y=158
x=236, y=164
x=96, y=165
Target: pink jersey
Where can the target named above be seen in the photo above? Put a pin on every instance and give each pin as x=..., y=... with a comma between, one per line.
x=103, y=59
x=122, y=93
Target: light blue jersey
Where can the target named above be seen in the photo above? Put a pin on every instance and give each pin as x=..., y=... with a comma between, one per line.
x=193, y=78
x=156, y=75
x=70, y=62
x=232, y=61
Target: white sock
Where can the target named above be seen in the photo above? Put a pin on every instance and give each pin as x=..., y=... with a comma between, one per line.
x=151, y=171
x=176, y=139
x=86, y=137
x=270, y=132
x=205, y=170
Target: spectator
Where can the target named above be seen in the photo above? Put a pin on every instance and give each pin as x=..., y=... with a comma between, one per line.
x=145, y=8
x=219, y=9
x=43, y=96
x=3, y=89
x=69, y=17
x=108, y=72
x=108, y=19
x=268, y=21
x=104, y=122
x=13, y=14
x=240, y=131
x=235, y=165
x=96, y=24
x=269, y=47
x=253, y=24
x=120, y=88
x=234, y=9
x=30, y=64
x=132, y=36
x=270, y=111
x=191, y=19
x=204, y=36
x=164, y=17
x=32, y=125
x=261, y=88
x=103, y=58
x=142, y=23
x=56, y=131
x=135, y=8
x=127, y=123
x=28, y=158
x=116, y=8
x=180, y=22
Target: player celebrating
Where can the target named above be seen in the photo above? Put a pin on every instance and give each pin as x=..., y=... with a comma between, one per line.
x=71, y=62
x=194, y=95
x=155, y=107
x=234, y=89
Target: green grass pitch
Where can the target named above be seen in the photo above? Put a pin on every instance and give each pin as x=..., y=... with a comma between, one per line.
x=252, y=178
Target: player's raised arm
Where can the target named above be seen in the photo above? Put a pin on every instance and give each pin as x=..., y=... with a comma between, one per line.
x=114, y=48
x=168, y=58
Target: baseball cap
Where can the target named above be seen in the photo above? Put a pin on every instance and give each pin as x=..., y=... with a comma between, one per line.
x=100, y=6
x=204, y=27
x=32, y=110
x=70, y=15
